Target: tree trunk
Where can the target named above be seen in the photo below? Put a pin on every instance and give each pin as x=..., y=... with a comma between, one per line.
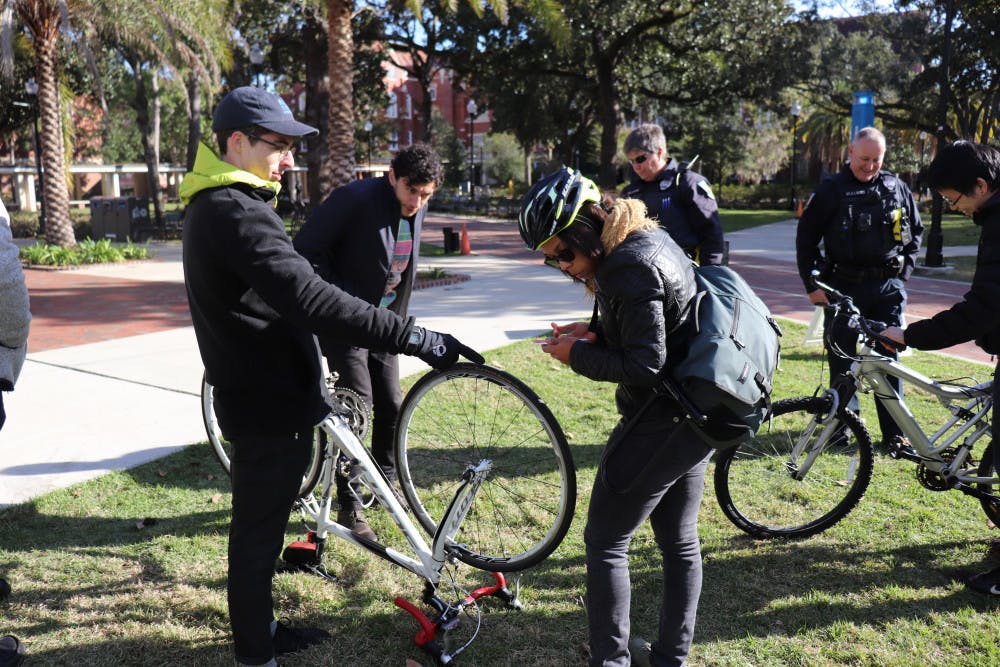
x=194, y=118
x=153, y=159
x=340, y=68
x=43, y=21
x=314, y=46
x=146, y=130
x=607, y=113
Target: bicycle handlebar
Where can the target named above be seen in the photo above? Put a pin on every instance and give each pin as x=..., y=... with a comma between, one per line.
x=871, y=329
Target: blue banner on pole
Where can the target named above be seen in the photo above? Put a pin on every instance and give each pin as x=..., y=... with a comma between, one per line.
x=862, y=111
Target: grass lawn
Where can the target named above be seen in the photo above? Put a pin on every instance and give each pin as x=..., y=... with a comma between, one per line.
x=92, y=588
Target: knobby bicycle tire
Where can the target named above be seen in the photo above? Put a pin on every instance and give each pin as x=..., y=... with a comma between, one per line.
x=467, y=413
x=986, y=469
x=756, y=483
x=221, y=447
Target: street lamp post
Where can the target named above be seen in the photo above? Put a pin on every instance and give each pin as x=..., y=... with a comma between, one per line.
x=796, y=112
x=256, y=63
x=368, y=131
x=471, y=109
x=920, y=171
x=31, y=87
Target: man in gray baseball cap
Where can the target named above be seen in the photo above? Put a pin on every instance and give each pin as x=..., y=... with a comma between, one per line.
x=256, y=305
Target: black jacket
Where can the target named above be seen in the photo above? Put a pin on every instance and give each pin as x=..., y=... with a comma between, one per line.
x=977, y=316
x=350, y=239
x=685, y=206
x=256, y=303
x=644, y=288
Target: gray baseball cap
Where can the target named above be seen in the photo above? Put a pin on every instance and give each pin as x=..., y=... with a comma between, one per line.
x=249, y=105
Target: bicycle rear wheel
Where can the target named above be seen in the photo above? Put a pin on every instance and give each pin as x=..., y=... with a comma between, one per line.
x=223, y=448
x=757, y=484
x=991, y=505
x=463, y=415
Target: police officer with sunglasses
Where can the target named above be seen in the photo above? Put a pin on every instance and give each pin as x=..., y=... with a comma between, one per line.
x=679, y=199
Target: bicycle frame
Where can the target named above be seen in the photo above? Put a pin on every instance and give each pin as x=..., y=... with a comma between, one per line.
x=430, y=559
x=968, y=421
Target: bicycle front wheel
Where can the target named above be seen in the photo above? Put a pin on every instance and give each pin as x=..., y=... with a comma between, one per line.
x=768, y=488
x=466, y=414
x=222, y=448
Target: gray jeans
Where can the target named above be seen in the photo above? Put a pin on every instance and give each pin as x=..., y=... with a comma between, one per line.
x=663, y=469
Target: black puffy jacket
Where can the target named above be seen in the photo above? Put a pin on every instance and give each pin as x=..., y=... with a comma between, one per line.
x=644, y=287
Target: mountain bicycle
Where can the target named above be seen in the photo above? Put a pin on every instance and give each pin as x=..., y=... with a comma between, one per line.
x=810, y=466
x=489, y=479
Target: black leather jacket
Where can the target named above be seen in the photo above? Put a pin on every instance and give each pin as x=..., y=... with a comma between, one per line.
x=644, y=288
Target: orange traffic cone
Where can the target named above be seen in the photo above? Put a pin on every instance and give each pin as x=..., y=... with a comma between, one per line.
x=798, y=212
x=466, y=249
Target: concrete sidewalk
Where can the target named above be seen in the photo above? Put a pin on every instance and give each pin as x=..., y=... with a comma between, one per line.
x=83, y=408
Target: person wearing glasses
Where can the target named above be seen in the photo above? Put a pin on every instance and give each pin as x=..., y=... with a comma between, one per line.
x=255, y=305
x=967, y=176
x=365, y=238
x=653, y=465
x=679, y=199
x=861, y=229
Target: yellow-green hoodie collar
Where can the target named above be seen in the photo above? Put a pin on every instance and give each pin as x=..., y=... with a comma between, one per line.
x=212, y=172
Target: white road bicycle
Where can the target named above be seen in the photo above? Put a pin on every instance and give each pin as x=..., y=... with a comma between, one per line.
x=810, y=466
x=489, y=479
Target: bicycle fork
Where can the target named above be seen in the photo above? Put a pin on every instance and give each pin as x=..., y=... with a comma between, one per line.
x=449, y=615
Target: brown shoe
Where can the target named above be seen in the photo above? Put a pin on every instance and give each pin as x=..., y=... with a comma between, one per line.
x=354, y=520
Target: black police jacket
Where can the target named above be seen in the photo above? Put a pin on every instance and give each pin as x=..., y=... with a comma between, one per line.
x=684, y=205
x=977, y=316
x=644, y=288
x=861, y=225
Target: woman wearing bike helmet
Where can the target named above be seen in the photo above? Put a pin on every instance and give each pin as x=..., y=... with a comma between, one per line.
x=653, y=465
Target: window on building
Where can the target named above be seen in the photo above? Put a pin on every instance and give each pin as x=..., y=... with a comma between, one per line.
x=394, y=142
x=392, y=111
x=409, y=106
x=434, y=92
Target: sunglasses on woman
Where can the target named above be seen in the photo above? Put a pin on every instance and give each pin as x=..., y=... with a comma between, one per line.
x=566, y=255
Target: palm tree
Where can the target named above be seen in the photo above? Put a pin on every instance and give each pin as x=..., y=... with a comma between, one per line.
x=43, y=20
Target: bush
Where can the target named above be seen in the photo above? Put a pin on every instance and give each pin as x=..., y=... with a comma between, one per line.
x=764, y=195
x=87, y=251
x=24, y=224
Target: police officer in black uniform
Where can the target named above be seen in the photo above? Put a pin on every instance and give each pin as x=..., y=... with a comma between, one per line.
x=679, y=199
x=870, y=230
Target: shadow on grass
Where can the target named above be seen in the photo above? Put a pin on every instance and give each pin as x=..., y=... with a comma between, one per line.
x=761, y=589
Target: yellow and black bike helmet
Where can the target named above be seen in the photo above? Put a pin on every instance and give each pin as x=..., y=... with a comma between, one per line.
x=552, y=204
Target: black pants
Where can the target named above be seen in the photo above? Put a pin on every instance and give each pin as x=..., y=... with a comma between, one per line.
x=375, y=377
x=881, y=300
x=3, y=415
x=267, y=472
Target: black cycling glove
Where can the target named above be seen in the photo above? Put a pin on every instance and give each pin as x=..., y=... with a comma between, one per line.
x=439, y=350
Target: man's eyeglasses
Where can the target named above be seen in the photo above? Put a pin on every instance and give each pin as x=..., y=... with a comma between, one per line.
x=284, y=149
x=639, y=160
x=950, y=203
x=566, y=255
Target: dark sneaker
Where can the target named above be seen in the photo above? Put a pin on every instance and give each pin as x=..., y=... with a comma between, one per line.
x=11, y=651
x=986, y=582
x=354, y=520
x=291, y=640
x=641, y=652
x=993, y=551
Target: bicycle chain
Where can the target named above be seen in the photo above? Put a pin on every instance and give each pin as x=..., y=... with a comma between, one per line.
x=933, y=480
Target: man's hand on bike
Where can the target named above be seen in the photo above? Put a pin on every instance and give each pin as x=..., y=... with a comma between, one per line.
x=897, y=335
x=439, y=350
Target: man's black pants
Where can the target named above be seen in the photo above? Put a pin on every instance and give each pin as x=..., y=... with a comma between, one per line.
x=267, y=472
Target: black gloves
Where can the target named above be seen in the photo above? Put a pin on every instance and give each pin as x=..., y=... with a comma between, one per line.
x=439, y=350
